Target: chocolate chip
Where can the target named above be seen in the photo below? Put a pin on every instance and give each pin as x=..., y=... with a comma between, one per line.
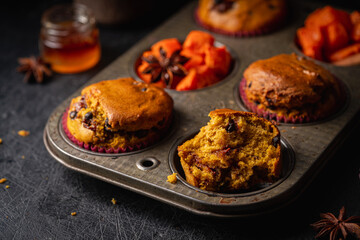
x=107, y=125
x=73, y=114
x=143, y=89
x=276, y=140
x=80, y=104
x=141, y=133
x=160, y=123
x=269, y=100
x=271, y=6
x=88, y=116
x=231, y=126
x=249, y=86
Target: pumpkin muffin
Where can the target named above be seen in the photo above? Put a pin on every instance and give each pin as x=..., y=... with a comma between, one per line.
x=118, y=115
x=289, y=88
x=241, y=17
x=235, y=150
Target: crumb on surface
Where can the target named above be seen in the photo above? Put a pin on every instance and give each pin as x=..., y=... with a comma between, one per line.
x=113, y=201
x=293, y=127
x=7, y=186
x=23, y=133
x=2, y=180
x=73, y=213
x=172, y=178
x=23, y=157
x=0, y=141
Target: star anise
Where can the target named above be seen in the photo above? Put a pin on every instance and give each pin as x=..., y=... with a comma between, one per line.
x=222, y=5
x=337, y=227
x=165, y=68
x=34, y=67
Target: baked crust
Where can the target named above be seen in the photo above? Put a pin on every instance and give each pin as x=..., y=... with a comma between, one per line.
x=243, y=16
x=119, y=113
x=287, y=82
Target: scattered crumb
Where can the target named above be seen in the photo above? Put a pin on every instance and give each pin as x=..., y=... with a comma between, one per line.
x=2, y=180
x=231, y=102
x=293, y=127
x=227, y=200
x=7, y=186
x=283, y=130
x=0, y=141
x=7, y=216
x=73, y=214
x=23, y=133
x=23, y=157
x=172, y=178
x=113, y=201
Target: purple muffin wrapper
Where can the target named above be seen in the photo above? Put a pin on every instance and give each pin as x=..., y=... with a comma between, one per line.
x=269, y=115
x=97, y=148
x=257, y=32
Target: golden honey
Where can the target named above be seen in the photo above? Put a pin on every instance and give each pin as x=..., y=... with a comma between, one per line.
x=69, y=39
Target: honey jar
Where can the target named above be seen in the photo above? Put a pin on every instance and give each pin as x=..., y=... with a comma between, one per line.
x=69, y=38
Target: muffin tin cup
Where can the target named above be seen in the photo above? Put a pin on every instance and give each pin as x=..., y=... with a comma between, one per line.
x=65, y=133
x=287, y=164
x=245, y=103
x=277, y=24
x=136, y=61
x=306, y=147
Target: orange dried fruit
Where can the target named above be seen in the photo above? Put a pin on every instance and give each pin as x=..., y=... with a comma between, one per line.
x=325, y=16
x=198, y=41
x=311, y=41
x=335, y=37
x=194, y=59
x=218, y=59
x=345, y=52
x=189, y=82
x=169, y=45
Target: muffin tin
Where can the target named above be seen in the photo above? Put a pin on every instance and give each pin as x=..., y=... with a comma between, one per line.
x=305, y=147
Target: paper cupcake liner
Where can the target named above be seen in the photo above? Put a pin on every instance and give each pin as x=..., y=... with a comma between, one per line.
x=94, y=148
x=270, y=115
x=257, y=32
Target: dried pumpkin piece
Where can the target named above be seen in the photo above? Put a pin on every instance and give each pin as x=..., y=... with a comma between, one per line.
x=198, y=41
x=335, y=37
x=189, y=82
x=218, y=59
x=355, y=35
x=355, y=19
x=195, y=59
x=169, y=45
x=325, y=16
x=206, y=76
x=311, y=41
x=345, y=52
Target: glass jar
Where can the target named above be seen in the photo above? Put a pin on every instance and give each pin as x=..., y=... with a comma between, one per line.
x=69, y=38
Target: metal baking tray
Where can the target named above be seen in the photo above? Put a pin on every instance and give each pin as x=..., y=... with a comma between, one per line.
x=305, y=147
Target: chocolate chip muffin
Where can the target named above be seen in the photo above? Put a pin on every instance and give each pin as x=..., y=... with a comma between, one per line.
x=235, y=150
x=119, y=115
x=289, y=88
x=241, y=17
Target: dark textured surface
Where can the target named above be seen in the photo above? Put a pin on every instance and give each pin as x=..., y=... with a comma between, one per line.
x=43, y=193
